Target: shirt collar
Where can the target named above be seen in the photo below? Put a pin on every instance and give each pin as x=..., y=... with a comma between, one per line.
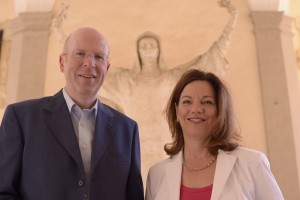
x=71, y=103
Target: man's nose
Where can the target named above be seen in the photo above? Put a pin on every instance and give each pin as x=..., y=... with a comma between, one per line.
x=90, y=60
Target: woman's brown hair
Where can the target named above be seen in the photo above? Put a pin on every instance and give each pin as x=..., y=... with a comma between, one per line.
x=224, y=132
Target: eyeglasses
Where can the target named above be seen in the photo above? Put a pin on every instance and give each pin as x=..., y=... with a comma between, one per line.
x=82, y=54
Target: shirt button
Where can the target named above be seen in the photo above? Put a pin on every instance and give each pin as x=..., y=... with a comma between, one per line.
x=84, y=146
x=85, y=196
x=81, y=183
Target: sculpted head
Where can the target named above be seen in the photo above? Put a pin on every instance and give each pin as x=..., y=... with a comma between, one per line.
x=148, y=50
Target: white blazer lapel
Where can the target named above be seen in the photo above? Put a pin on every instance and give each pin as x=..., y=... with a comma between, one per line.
x=173, y=176
x=225, y=163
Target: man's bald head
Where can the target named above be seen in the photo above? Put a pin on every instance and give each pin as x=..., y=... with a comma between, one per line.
x=84, y=32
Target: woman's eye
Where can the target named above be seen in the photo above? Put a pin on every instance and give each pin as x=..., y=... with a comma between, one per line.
x=81, y=54
x=186, y=102
x=207, y=102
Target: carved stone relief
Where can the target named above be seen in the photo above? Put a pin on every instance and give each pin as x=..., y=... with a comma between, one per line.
x=5, y=49
x=58, y=20
x=142, y=91
x=297, y=27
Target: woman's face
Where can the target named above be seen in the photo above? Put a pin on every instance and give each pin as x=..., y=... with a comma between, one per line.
x=148, y=50
x=197, y=109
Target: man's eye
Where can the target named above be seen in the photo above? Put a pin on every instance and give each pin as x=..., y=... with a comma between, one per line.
x=80, y=53
x=99, y=57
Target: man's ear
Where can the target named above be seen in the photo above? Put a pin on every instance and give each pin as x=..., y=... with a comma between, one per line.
x=107, y=67
x=61, y=63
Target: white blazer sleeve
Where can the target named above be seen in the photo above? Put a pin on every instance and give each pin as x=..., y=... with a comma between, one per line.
x=149, y=195
x=266, y=187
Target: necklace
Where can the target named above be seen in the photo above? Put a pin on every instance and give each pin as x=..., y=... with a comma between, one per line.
x=196, y=169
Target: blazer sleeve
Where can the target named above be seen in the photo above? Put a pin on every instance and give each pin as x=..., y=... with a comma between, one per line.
x=149, y=195
x=135, y=184
x=156, y=187
x=265, y=184
x=11, y=146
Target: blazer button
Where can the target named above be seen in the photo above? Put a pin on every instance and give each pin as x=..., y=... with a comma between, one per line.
x=81, y=183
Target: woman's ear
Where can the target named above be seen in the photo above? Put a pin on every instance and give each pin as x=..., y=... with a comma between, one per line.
x=176, y=109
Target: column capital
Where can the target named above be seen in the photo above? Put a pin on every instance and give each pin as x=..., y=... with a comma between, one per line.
x=23, y=6
x=271, y=20
x=32, y=21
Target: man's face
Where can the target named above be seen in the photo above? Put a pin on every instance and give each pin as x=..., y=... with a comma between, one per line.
x=84, y=64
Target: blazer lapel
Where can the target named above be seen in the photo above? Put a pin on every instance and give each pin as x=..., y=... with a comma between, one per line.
x=225, y=163
x=103, y=134
x=58, y=119
x=173, y=176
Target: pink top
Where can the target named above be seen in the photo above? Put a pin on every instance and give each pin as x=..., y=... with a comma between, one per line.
x=203, y=193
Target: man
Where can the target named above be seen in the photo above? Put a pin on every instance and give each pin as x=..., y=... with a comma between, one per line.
x=71, y=146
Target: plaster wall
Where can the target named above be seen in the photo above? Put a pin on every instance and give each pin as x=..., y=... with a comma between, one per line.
x=6, y=15
x=294, y=12
x=186, y=30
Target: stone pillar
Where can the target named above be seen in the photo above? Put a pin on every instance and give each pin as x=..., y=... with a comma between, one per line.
x=280, y=97
x=27, y=64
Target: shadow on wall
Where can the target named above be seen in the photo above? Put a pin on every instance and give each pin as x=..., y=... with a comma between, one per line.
x=111, y=104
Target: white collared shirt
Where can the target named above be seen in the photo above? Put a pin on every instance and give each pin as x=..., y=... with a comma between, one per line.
x=84, y=126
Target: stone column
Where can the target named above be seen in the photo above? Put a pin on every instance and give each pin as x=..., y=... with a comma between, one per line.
x=27, y=64
x=280, y=97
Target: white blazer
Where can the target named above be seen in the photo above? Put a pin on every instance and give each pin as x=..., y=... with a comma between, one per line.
x=240, y=174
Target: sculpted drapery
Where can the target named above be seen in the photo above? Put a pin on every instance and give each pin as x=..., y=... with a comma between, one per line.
x=142, y=92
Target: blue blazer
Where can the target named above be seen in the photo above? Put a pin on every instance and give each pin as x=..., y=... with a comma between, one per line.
x=40, y=157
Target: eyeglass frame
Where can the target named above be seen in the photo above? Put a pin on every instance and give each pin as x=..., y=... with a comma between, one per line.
x=83, y=54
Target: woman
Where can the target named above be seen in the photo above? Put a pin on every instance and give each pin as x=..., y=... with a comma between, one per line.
x=206, y=161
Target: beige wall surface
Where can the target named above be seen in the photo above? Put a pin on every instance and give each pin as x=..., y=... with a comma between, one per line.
x=6, y=15
x=186, y=29
x=294, y=12
x=6, y=10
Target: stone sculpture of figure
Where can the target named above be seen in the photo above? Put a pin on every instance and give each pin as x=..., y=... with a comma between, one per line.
x=142, y=92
